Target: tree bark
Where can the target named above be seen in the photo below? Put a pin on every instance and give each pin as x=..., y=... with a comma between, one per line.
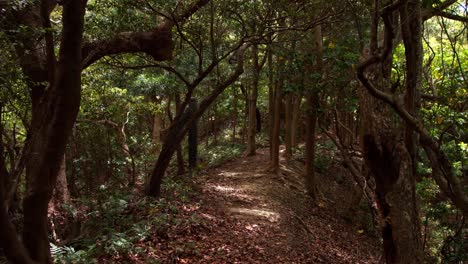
x=312, y=99
x=61, y=193
x=271, y=97
x=288, y=125
x=193, y=138
x=296, y=116
x=235, y=114
x=252, y=99
x=311, y=124
x=58, y=113
x=275, y=131
x=180, y=157
x=385, y=146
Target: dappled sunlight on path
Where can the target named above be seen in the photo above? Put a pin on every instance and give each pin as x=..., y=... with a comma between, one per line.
x=258, y=217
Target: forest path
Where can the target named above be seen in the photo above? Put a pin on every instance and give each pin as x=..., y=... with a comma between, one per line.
x=251, y=216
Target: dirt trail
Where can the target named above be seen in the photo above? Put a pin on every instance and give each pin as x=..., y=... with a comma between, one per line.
x=250, y=216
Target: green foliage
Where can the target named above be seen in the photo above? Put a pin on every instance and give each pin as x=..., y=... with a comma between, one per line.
x=431, y=3
x=324, y=156
x=444, y=238
x=215, y=155
x=118, y=223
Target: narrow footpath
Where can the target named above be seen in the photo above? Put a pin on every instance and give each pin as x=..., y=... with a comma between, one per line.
x=250, y=216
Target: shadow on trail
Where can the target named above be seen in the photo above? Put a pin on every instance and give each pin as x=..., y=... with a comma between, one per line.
x=267, y=218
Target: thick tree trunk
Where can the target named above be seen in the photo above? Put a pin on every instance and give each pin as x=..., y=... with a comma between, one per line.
x=390, y=163
x=61, y=193
x=59, y=109
x=387, y=146
x=411, y=30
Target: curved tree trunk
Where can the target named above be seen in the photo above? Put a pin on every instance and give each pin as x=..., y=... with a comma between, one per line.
x=181, y=125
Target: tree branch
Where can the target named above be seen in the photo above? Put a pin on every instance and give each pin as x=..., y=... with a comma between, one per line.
x=451, y=16
x=441, y=167
x=157, y=42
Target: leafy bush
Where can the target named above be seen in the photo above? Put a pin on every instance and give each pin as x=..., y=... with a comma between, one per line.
x=118, y=223
x=216, y=155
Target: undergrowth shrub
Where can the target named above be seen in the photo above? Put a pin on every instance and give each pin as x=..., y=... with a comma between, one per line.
x=118, y=224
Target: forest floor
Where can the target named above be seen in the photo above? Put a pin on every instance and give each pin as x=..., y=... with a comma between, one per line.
x=247, y=215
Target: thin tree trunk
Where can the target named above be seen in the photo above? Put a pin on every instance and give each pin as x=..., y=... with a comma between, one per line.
x=288, y=125
x=296, y=112
x=311, y=117
x=275, y=139
x=271, y=98
x=311, y=122
x=180, y=156
x=252, y=99
x=180, y=127
x=235, y=114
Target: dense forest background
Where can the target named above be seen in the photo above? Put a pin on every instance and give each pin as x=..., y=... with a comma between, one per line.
x=117, y=117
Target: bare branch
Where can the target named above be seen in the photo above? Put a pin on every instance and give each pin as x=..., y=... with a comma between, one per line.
x=451, y=16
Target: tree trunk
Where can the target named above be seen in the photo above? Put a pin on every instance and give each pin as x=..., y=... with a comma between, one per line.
x=59, y=109
x=275, y=131
x=61, y=193
x=288, y=125
x=252, y=99
x=235, y=114
x=193, y=138
x=296, y=113
x=385, y=142
x=180, y=157
x=271, y=98
x=157, y=127
x=311, y=122
x=311, y=116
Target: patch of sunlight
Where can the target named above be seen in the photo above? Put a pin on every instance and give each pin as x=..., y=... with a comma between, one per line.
x=245, y=197
x=224, y=188
x=228, y=173
x=252, y=227
x=270, y=215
